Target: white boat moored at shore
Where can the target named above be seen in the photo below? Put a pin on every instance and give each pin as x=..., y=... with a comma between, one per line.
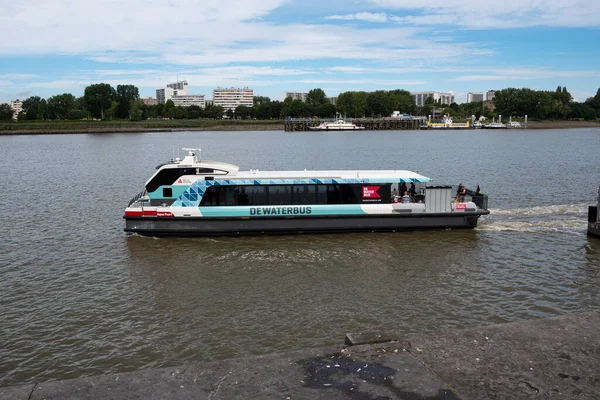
x=447, y=123
x=339, y=125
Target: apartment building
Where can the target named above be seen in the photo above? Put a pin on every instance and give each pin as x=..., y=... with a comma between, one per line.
x=295, y=95
x=474, y=96
x=442, y=98
x=17, y=107
x=231, y=98
x=490, y=95
x=179, y=88
x=189, y=100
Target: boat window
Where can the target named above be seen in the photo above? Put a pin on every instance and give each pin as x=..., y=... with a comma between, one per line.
x=168, y=176
x=167, y=192
x=293, y=195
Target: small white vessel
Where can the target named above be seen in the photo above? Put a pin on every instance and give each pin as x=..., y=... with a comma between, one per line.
x=339, y=125
x=494, y=125
x=514, y=124
x=447, y=123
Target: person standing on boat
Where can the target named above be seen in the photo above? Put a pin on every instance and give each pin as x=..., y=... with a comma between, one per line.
x=412, y=191
x=403, y=189
x=461, y=193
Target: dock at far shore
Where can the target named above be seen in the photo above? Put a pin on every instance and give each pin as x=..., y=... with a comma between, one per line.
x=369, y=124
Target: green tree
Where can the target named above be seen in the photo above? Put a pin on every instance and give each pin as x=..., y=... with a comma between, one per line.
x=359, y=104
x=6, y=112
x=180, y=112
x=124, y=96
x=401, y=100
x=261, y=100
x=194, y=112
x=136, y=110
x=168, y=110
x=243, y=112
x=98, y=98
x=32, y=108
x=315, y=98
x=344, y=103
x=60, y=105
x=378, y=104
x=326, y=110
x=276, y=107
x=214, y=112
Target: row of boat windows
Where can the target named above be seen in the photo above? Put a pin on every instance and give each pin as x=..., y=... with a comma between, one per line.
x=167, y=176
x=288, y=195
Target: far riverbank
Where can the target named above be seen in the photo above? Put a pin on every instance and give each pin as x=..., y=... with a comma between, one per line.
x=75, y=127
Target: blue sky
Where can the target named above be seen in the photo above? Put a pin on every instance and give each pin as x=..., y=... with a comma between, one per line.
x=272, y=46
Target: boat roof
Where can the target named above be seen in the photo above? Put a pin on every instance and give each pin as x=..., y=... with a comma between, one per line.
x=333, y=174
x=233, y=172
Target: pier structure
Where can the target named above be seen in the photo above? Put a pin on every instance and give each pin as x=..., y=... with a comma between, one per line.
x=370, y=124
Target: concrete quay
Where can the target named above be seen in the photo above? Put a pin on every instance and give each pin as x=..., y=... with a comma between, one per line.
x=554, y=358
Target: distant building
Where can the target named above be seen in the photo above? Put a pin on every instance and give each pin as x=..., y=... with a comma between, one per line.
x=172, y=89
x=189, y=100
x=489, y=105
x=474, y=96
x=208, y=103
x=295, y=95
x=149, y=101
x=17, y=107
x=332, y=99
x=231, y=98
x=443, y=98
x=490, y=95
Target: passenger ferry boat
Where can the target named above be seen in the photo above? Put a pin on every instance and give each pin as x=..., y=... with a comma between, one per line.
x=594, y=218
x=447, y=123
x=193, y=197
x=339, y=125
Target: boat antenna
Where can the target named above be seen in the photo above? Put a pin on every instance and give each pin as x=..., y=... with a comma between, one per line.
x=173, y=158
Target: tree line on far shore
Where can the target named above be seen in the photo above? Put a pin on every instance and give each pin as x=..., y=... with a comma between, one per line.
x=103, y=102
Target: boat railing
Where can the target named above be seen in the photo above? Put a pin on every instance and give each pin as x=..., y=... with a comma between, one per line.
x=136, y=200
x=480, y=199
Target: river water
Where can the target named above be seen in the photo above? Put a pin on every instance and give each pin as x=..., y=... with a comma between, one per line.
x=79, y=297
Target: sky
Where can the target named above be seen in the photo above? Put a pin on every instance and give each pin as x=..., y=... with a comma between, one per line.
x=272, y=46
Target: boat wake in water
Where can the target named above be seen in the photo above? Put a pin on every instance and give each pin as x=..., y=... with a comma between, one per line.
x=562, y=218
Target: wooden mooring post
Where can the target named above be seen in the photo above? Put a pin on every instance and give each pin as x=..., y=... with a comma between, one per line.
x=370, y=124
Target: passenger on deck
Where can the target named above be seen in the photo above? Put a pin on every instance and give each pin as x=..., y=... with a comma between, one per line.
x=461, y=193
x=403, y=189
x=412, y=191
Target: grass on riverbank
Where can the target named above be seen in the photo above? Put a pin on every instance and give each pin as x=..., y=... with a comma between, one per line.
x=84, y=125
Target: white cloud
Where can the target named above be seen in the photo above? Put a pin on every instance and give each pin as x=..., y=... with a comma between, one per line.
x=524, y=74
x=17, y=76
x=498, y=15
x=363, y=16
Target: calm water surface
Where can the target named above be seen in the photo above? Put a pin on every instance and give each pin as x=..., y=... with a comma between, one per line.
x=80, y=297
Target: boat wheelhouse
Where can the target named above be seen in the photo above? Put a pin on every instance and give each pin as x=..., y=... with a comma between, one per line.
x=193, y=197
x=339, y=125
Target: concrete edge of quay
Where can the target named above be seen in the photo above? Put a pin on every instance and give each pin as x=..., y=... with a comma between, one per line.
x=545, y=358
